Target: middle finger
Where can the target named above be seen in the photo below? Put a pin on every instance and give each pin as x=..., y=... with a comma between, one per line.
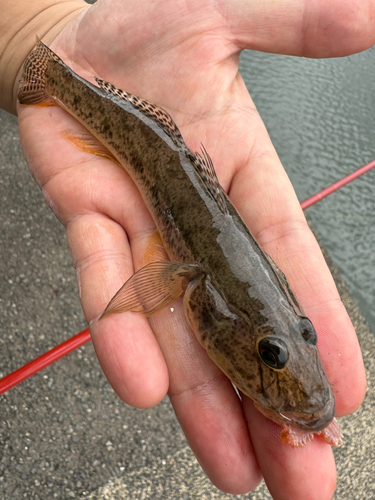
x=207, y=407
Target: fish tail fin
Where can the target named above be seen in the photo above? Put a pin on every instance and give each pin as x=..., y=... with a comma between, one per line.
x=32, y=89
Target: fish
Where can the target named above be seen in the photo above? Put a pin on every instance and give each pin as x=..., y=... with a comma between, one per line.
x=238, y=303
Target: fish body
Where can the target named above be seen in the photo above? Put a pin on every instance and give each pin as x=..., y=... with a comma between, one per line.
x=237, y=301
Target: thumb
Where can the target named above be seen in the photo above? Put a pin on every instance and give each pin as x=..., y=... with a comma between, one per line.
x=318, y=28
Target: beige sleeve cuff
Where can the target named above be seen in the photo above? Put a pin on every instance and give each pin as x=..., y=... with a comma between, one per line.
x=21, y=21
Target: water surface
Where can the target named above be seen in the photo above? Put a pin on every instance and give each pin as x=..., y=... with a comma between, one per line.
x=320, y=115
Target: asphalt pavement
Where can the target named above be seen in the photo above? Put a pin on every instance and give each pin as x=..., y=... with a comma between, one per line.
x=64, y=433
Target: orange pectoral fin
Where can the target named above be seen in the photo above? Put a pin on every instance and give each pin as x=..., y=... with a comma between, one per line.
x=152, y=288
x=89, y=144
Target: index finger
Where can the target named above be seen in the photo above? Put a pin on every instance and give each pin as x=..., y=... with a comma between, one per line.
x=86, y=194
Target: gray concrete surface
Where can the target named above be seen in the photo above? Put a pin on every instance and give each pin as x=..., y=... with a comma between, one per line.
x=64, y=433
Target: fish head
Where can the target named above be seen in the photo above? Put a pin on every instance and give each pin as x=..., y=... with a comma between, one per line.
x=294, y=389
x=276, y=365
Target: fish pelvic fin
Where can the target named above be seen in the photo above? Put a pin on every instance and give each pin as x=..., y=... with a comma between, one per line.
x=153, y=287
x=298, y=438
x=154, y=250
x=32, y=89
x=157, y=114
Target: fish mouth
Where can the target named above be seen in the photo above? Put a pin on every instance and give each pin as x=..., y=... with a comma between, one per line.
x=313, y=422
x=308, y=422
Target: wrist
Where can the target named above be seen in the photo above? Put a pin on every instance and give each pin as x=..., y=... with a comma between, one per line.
x=41, y=18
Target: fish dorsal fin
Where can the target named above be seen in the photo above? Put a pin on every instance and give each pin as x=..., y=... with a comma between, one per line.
x=201, y=161
x=152, y=111
x=205, y=169
x=285, y=284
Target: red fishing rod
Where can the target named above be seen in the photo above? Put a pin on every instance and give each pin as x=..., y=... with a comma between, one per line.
x=81, y=338
x=337, y=185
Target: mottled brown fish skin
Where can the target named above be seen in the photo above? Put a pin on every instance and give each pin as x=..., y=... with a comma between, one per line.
x=161, y=172
x=240, y=298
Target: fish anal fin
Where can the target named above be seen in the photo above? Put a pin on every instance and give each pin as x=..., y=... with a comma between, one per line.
x=154, y=250
x=153, y=287
x=89, y=144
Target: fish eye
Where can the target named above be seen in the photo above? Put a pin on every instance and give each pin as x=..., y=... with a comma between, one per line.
x=273, y=352
x=308, y=332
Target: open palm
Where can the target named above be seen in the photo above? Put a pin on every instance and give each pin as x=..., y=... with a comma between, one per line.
x=183, y=56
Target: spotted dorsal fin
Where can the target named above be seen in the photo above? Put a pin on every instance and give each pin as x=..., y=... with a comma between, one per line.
x=205, y=169
x=152, y=111
x=285, y=284
x=200, y=161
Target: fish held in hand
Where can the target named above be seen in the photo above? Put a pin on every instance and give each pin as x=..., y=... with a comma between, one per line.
x=237, y=301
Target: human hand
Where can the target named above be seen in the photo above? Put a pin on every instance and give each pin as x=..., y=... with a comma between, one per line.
x=184, y=57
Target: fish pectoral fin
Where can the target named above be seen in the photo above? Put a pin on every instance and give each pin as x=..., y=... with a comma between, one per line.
x=153, y=287
x=89, y=144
